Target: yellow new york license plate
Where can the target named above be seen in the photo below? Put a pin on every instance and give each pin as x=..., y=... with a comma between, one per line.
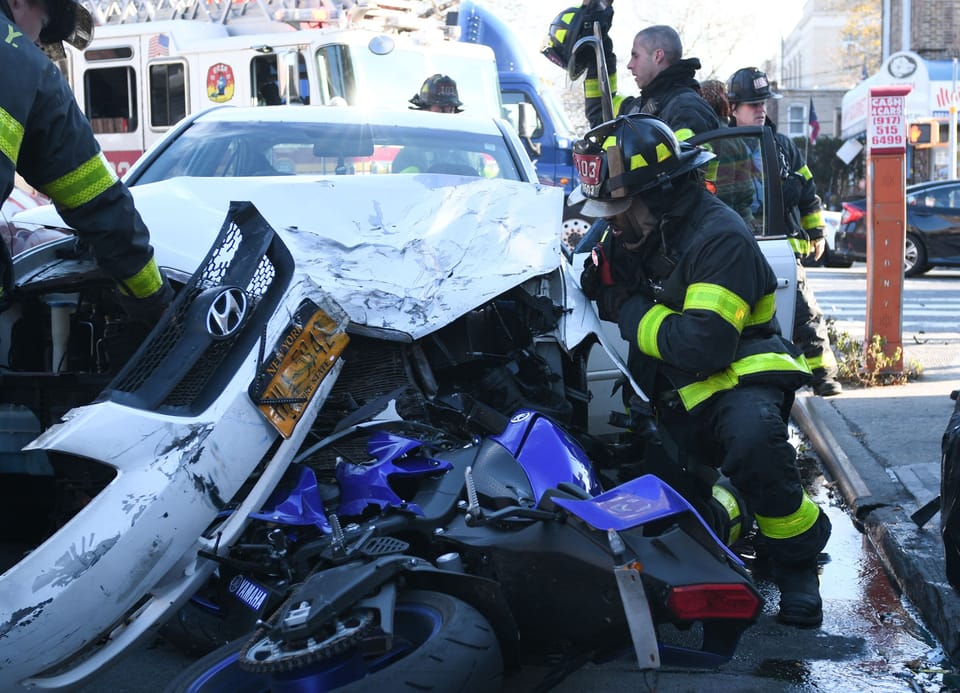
x=303, y=357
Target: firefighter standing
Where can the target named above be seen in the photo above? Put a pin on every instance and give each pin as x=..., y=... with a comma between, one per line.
x=747, y=92
x=669, y=89
x=45, y=138
x=683, y=276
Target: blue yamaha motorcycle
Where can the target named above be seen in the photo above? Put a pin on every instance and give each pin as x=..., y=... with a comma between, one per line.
x=448, y=563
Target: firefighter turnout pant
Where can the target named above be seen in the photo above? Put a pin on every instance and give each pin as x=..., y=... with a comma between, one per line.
x=744, y=433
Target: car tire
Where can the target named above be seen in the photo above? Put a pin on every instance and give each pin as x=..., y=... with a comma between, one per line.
x=914, y=257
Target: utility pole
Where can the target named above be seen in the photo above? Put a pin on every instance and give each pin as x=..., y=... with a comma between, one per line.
x=953, y=124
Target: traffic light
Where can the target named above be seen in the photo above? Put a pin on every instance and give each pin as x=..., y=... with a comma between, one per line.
x=924, y=134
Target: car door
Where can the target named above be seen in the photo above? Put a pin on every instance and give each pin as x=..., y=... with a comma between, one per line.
x=746, y=175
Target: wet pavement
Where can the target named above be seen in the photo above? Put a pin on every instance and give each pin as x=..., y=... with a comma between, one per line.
x=871, y=639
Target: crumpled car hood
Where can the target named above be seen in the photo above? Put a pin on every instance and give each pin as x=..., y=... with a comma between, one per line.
x=409, y=253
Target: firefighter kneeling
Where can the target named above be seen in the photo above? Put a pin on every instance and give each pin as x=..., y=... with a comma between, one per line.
x=683, y=276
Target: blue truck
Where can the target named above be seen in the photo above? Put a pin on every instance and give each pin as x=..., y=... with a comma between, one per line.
x=539, y=120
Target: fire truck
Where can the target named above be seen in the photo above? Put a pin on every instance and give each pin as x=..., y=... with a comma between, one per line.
x=154, y=61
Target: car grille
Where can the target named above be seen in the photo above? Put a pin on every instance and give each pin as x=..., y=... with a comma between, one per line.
x=181, y=366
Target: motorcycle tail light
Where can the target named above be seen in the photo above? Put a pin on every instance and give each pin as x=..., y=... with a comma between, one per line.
x=697, y=602
x=851, y=214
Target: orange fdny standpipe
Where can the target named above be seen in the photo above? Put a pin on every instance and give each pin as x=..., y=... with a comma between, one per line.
x=886, y=221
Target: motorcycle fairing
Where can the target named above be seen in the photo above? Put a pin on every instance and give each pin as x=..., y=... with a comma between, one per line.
x=362, y=485
x=636, y=502
x=297, y=506
x=547, y=454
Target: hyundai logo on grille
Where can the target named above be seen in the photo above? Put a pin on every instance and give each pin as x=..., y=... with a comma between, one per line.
x=226, y=313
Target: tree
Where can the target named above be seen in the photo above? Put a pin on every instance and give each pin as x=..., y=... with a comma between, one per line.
x=860, y=50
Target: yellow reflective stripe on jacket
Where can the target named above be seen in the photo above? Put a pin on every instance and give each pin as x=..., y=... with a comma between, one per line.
x=763, y=312
x=82, y=184
x=804, y=172
x=826, y=360
x=591, y=88
x=11, y=136
x=814, y=220
x=769, y=362
x=649, y=327
x=800, y=246
x=684, y=134
x=697, y=393
x=716, y=299
x=792, y=525
x=144, y=283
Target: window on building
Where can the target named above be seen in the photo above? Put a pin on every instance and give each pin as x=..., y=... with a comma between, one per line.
x=797, y=120
x=168, y=94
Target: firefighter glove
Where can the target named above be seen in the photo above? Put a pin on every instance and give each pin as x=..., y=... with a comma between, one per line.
x=590, y=279
x=610, y=300
x=149, y=309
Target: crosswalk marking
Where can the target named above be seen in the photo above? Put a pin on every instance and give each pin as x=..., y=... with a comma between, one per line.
x=922, y=312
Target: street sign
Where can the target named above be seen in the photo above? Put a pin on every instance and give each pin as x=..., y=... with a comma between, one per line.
x=886, y=220
x=886, y=121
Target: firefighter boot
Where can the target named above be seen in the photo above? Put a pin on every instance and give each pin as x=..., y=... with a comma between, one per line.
x=799, y=584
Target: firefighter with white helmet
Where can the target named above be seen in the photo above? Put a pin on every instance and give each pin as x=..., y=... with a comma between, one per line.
x=684, y=278
x=46, y=138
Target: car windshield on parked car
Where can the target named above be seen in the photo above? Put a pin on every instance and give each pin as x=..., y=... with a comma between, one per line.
x=933, y=228
x=303, y=140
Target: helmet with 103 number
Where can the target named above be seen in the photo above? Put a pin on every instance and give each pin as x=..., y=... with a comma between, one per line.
x=749, y=85
x=438, y=90
x=628, y=156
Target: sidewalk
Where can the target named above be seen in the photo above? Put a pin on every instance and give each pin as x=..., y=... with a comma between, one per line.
x=882, y=447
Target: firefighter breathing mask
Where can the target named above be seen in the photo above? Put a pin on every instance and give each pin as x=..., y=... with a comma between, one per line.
x=629, y=156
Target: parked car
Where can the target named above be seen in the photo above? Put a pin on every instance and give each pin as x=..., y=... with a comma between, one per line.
x=933, y=228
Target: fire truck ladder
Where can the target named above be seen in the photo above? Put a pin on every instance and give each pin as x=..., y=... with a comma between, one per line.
x=296, y=12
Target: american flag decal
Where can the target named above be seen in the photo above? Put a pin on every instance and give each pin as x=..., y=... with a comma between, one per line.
x=159, y=46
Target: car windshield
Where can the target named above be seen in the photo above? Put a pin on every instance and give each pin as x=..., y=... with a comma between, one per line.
x=231, y=149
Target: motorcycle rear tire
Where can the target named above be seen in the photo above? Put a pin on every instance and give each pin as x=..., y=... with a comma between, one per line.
x=456, y=651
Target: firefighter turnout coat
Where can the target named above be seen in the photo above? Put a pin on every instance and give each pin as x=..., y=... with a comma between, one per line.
x=673, y=96
x=46, y=138
x=702, y=316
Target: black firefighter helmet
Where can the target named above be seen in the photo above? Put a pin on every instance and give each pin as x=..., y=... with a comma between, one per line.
x=628, y=156
x=437, y=90
x=570, y=26
x=749, y=85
